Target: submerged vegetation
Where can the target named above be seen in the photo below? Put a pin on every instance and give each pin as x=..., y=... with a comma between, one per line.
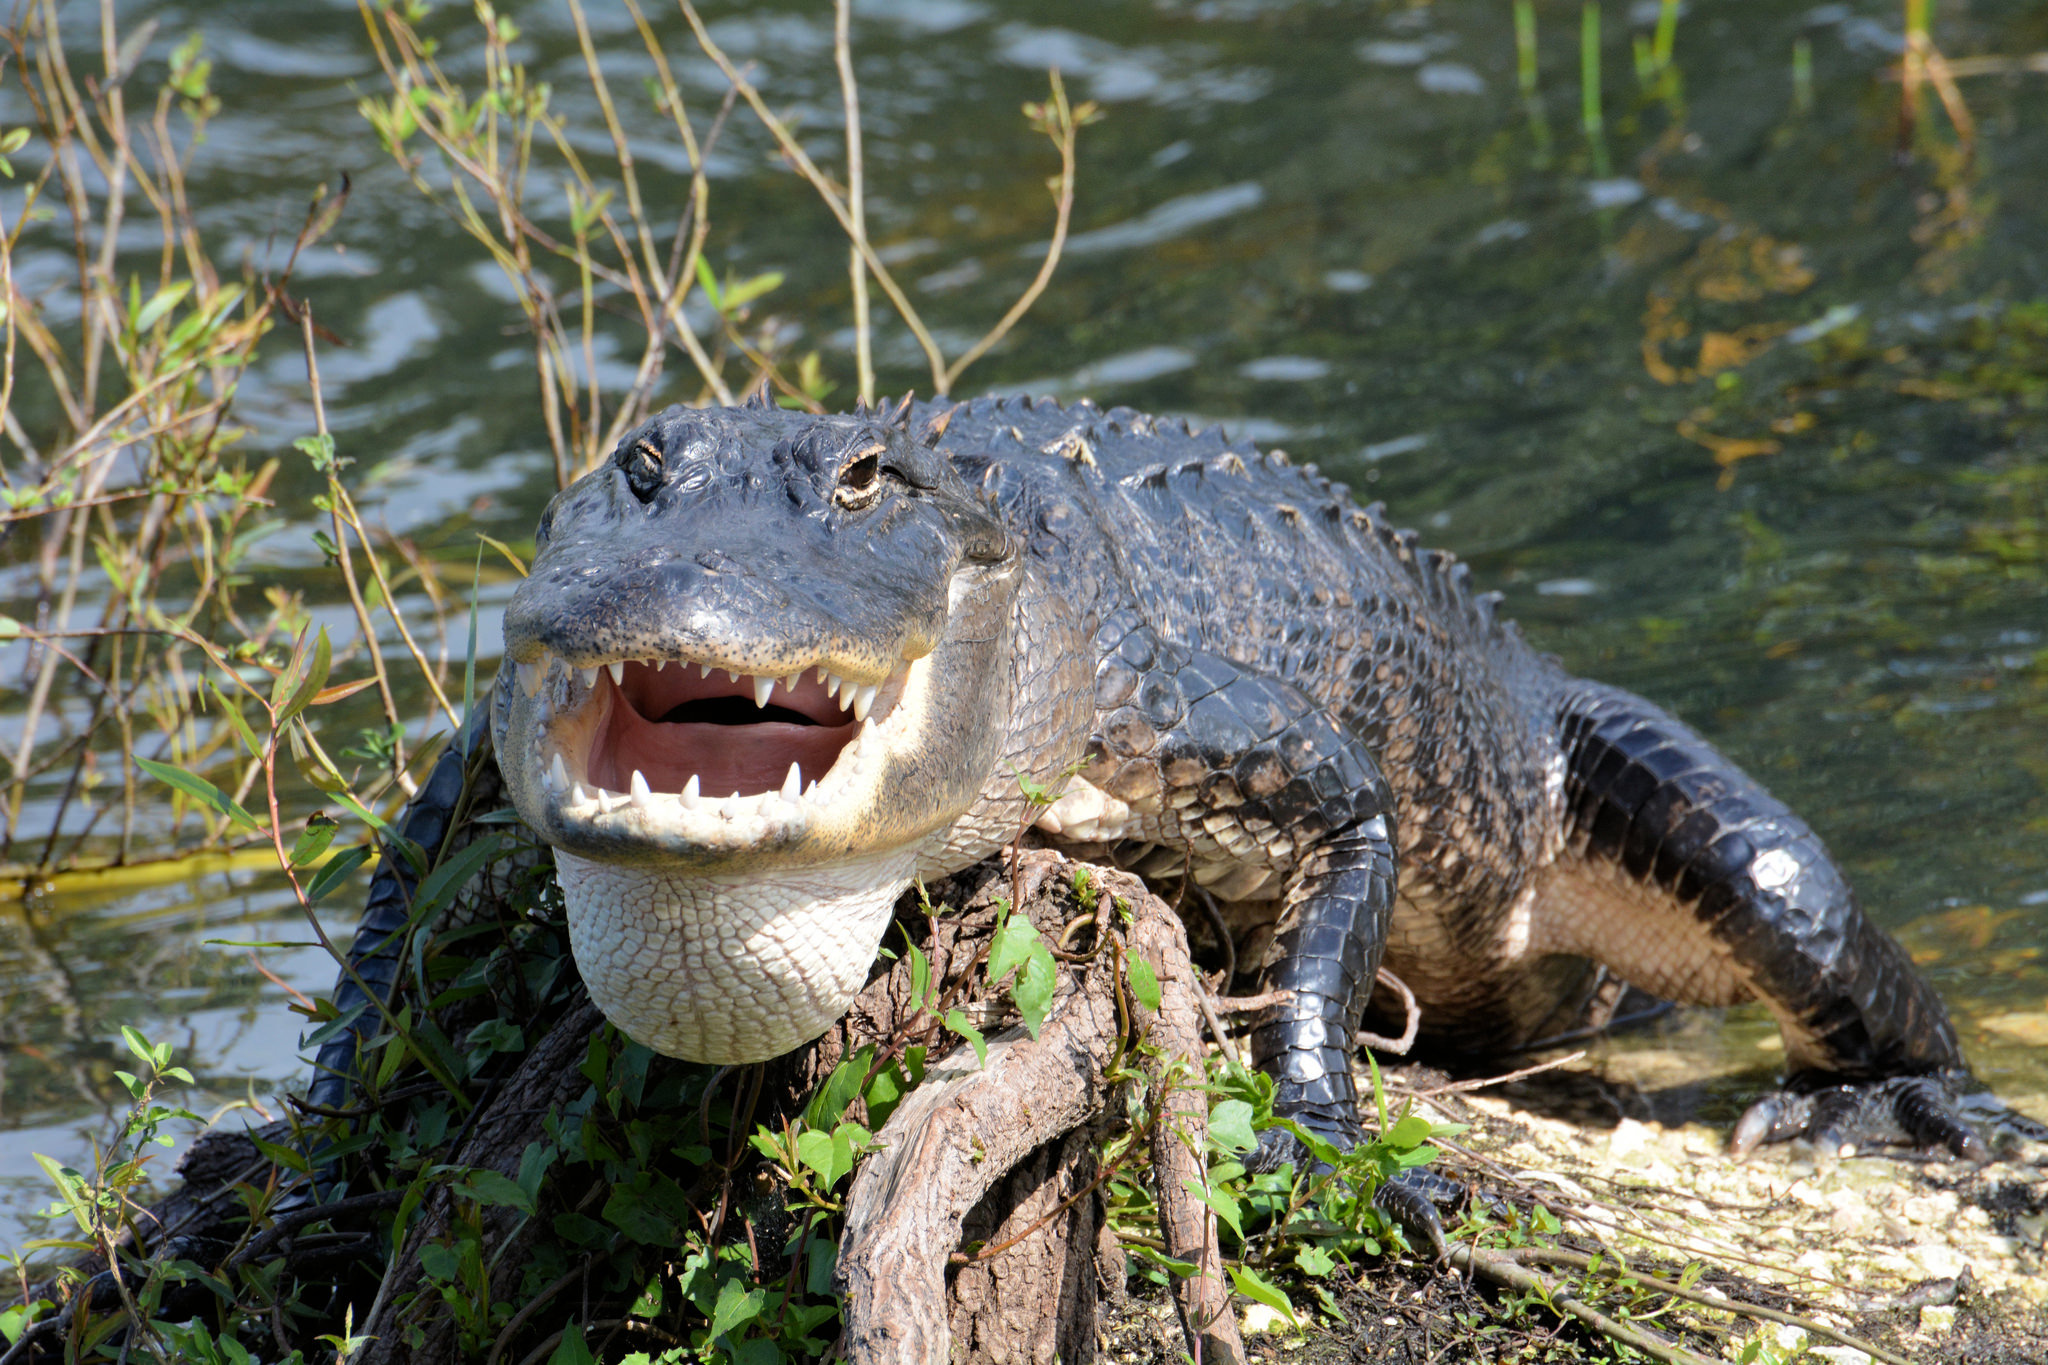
x=184, y=686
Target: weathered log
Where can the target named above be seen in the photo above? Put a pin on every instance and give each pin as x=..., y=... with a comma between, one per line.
x=969, y=1125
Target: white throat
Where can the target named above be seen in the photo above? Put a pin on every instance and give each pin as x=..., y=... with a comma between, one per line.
x=727, y=969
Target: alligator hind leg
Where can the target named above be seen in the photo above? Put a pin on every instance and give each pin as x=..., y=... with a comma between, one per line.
x=1694, y=882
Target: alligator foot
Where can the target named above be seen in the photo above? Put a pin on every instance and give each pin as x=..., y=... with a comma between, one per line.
x=1410, y=1197
x=1947, y=1110
x=1279, y=1147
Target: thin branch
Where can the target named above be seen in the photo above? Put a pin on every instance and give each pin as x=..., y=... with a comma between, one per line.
x=1398, y=1046
x=801, y=160
x=856, y=198
x=1460, y=1087
x=1061, y=123
x=1504, y=1271
x=1614, y=1267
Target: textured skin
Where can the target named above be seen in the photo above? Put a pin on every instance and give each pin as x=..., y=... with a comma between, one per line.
x=783, y=957
x=1256, y=684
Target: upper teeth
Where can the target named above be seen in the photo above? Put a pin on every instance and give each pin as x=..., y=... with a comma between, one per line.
x=576, y=793
x=858, y=698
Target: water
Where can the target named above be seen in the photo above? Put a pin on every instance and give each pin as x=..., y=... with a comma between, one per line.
x=1331, y=226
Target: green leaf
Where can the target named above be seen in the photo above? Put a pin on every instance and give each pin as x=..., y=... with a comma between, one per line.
x=451, y=876
x=1033, y=991
x=757, y=1351
x=814, y=1149
x=631, y=1212
x=848, y=1140
x=319, y=449
x=709, y=283
x=144, y=1050
x=737, y=1306
x=1015, y=934
x=575, y=1228
x=1319, y=1147
x=1416, y=1156
x=286, y=1158
x=1411, y=1131
x=314, y=678
x=335, y=871
x=839, y=1089
x=200, y=790
x=1314, y=1261
x=956, y=1024
x=1379, y=1088
x=313, y=840
x=14, y=1321
x=70, y=1189
x=738, y=296
x=920, y=978
x=233, y=715
x=1230, y=1126
x=533, y=1167
x=1221, y=1202
x=1253, y=1285
x=364, y=813
x=1144, y=981
x=9, y=628
x=166, y=299
x=884, y=1093
x=573, y=1349
x=490, y=1187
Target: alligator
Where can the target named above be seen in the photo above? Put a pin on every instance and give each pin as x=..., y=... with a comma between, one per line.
x=770, y=667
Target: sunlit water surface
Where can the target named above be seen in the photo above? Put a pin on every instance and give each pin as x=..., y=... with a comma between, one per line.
x=1334, y=227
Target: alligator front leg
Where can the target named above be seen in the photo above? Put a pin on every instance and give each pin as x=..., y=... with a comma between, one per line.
x=1251, y=781
x=1328, y=944
x=1694, y=882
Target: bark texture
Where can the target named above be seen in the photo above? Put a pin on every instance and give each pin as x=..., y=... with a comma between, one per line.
x=969, y=1126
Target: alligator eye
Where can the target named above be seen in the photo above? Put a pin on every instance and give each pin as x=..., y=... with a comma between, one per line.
x=642, y=463
x=860, y=479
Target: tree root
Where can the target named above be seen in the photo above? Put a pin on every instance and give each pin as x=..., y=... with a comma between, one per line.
x=969, y=1126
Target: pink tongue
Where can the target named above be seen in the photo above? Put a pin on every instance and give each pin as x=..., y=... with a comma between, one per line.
x=747, y=759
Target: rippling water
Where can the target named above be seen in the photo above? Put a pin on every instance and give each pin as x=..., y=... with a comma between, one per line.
x=1334, y=227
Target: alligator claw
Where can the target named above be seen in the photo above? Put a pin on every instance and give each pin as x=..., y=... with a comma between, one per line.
x=1945, y=1111
x=1412, y=1197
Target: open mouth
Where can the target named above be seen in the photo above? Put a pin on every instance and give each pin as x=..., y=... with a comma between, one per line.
x=663, y=734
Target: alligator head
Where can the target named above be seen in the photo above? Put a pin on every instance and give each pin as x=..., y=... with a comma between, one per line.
x=761, y=664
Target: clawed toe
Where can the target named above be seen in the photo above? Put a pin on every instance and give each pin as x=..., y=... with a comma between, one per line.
x=1412, y=1197
x=1943, y=1111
